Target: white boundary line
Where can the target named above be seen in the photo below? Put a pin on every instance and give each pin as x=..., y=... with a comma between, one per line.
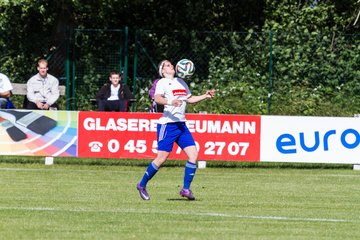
x=219, y=215
x=110, y=169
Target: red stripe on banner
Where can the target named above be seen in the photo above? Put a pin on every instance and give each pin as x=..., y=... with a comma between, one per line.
x=133, y=135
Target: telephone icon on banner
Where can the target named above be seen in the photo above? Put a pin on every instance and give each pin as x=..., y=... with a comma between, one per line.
x=95, y=146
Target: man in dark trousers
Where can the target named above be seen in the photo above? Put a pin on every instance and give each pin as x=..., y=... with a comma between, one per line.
x=114, y=96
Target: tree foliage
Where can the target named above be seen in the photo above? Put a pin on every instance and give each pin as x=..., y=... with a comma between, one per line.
x=309, y=68
x=314, y=61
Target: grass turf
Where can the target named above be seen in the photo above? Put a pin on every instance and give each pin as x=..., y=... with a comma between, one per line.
x=66, y=201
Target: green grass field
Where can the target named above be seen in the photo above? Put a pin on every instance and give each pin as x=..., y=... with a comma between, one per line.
x=101, y=202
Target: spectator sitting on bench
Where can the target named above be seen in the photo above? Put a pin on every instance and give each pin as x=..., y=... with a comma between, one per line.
x=114, y=96
x=5, y=91
x=42, y=89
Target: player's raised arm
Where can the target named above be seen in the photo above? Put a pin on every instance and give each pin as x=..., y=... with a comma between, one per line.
x=195, y=99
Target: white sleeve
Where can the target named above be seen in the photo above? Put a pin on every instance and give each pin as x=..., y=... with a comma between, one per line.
x=5, y=83
x=160, y=87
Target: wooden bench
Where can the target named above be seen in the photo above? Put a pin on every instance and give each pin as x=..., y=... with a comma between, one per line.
x=20, y=89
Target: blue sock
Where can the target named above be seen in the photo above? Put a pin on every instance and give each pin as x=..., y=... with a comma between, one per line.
x=149, y=173
x=190, y=169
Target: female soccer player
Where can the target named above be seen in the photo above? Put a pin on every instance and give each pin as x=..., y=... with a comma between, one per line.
x=174, y=94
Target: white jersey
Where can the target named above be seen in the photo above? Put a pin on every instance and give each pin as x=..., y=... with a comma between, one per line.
x=5, y=84
x=173, y=89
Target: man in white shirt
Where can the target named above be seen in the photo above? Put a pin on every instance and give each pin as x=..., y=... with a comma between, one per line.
x=42, y=89
x=5, y=90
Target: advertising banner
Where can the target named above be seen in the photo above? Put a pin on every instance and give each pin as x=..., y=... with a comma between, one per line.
x=133, y=135
x=218, y=137
x=310, y=139
x=38, y=133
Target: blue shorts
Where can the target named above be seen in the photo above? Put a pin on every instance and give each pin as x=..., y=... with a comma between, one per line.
x=169, y=133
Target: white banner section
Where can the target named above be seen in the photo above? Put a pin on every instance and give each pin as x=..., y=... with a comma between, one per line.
x=310, y=139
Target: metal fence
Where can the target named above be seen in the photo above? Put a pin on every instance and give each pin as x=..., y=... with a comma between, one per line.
x=95, y=53
x=259, y=72
x=205, y=49
x=285, y=73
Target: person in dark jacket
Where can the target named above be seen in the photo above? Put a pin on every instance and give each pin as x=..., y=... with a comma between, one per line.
x=114, y=96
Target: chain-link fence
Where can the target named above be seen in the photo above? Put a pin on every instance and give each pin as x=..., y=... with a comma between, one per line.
x=253, y=72
x=95, y=54
x=205, y=49
x=259, y=73
x=18, y=60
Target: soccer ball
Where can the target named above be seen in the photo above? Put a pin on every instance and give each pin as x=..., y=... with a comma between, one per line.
x=185, y=68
